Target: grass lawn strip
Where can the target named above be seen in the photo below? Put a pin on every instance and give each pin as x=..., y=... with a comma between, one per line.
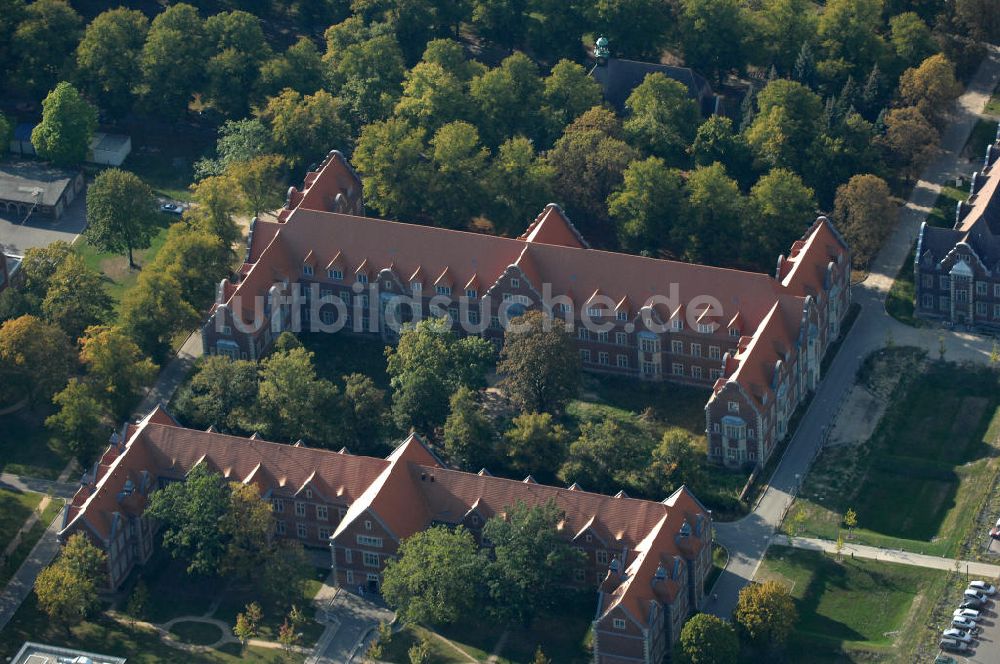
x=196, y=633
x=29, y=540
x=851, y=605
x=28, y=448
x=15, y=508
x=914, y=483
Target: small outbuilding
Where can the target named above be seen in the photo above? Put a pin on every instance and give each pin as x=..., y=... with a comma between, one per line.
x=34, y=187
x=109, y=149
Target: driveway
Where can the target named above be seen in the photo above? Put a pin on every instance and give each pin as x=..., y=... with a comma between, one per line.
x=356, y=616
x=39, y=231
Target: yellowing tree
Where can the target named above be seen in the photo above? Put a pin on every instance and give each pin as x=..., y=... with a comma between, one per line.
x=766, y=612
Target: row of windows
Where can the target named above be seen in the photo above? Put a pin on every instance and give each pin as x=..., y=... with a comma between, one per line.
x=604, y=358
x=322, y=512
x=302, y=531
x=944, y=283
x=677, y=348
x=983, y=309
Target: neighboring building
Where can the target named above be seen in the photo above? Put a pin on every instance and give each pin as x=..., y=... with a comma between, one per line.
x=648, y=560
x=957, y=270
x=759, y=350
x=618, y=78
x=37, y=188
x=10, y=270
x=109, y=149
x=20, y=140
x=38, y=653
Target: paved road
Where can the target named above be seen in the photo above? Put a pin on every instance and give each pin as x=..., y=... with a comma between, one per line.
x=356, y=617
x=890, y=555
x=24, y=579
x=171, y=376
x=40, y=231
x=38, y=485
x=747, y=539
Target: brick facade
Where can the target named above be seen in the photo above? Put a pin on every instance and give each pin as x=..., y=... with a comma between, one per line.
x=648, y=560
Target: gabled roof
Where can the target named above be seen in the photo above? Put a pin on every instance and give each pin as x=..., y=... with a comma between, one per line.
x=552, y=226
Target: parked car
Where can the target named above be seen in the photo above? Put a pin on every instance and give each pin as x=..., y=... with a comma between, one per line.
x=975, y=594
x=965, y=623
x=971, y=614
x=951, y=645
x=983, y=587
x=971, y=603
x=957, y=634
x=172, y=208
x=945, y=659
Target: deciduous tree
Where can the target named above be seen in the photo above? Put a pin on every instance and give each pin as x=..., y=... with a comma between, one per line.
x=364, y=66
x=568, y=92
x=519, y=182
x=68, y=123
x=864, y=213
x=293, y=402
x=531, y=560
x=76, y=298
x=610, y=455
x=662, y=118
x=391, y=157
x=116, y=368
x=931, y=87
x=43, y=43
x=715, y=206
x=434, y=578
x=300, y=68
x=35, y=357
x=506, y=99
x=650, y=207
x=365, y=413
x=911, y=37
x=780, y=208
x=427, y=366
x=713, y=33
x=706, y=639
x=766, y=613
x=173, y=60
x=237, y=49
x=262, y=181
x=539, y=364
x=910, y=139
x=303, y=129
x=459, y=163
x=190, y=514
x=108, y=59
x=79, y=420
x=785, y=26
x=219, y=394
x=153, y=311
x=536, y=444
x=468, y=432
x=120, y=213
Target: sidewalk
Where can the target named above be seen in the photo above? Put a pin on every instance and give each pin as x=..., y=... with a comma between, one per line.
x=172, y=375
x=24, y=579
x=890, y=555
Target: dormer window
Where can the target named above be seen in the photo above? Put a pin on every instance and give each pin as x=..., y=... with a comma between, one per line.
x=619, y=623
x=734, y=407
x=594, y=312
x=307, y=270
x=676, y=325
x=444, y=290
x=362, y=278
x=471, y=293
x=588, y=537
x=336, y=275
x=622, y=315
x=515, y=282
x=705, y=328
x=416, y=286
x=734, y=332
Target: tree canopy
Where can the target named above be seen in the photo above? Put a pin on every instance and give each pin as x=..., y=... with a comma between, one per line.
x=120, y=213
x=68, y=123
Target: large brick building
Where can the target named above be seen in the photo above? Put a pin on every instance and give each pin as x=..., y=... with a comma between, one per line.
x=957, y=270
x=756, y=340
x=647, y=560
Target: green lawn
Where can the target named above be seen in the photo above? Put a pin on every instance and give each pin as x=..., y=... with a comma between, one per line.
x=982, y=135
x=173, y=593
x=15, y=508
x=920, y=480
x=28, y=541
x=102, y=634
x=28, y=448
x=197, y=633
x=900, y=302
x=853, y=609
x=993, y=105
x=564, y=636
x=942, y=215
x=720, y=558
x=118, y=278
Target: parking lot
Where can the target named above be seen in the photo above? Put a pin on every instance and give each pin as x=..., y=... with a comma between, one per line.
x=986, y=644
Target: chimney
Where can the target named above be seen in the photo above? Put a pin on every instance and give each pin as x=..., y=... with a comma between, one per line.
x=977, y=183
x=992, y=153
x=961, y=210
